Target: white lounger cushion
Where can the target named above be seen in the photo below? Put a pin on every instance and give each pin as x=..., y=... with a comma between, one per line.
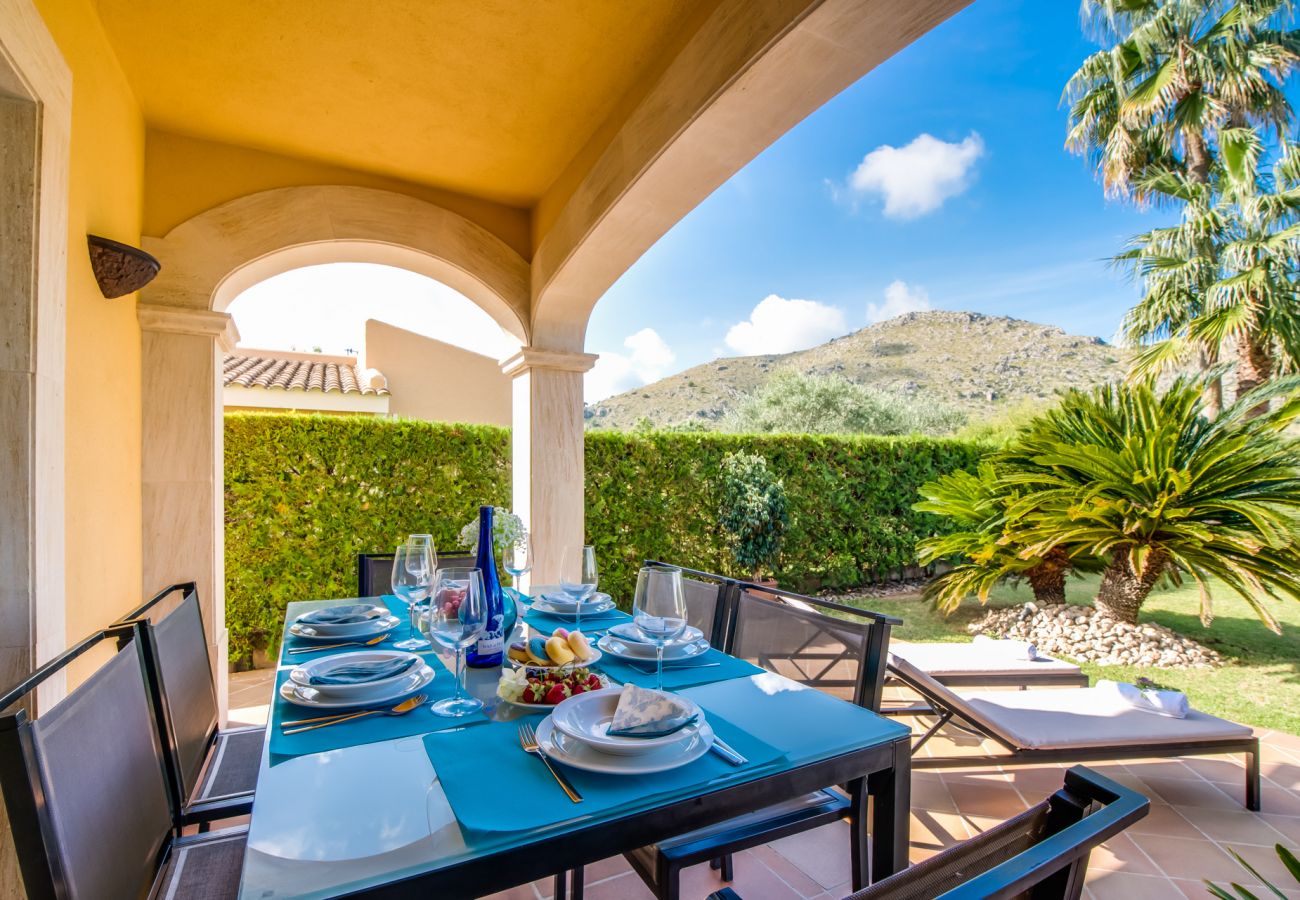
x=982, y=658
x=1087, y=717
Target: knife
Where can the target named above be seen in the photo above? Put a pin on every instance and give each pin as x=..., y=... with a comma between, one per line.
x=723, y=749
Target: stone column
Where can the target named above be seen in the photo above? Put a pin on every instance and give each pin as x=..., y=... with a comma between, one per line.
x=547, y=451
x=183, y=483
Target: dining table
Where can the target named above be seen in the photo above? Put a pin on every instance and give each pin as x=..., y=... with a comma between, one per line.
x=421, y=805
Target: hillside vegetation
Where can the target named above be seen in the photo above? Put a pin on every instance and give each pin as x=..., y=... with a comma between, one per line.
x=978, y=364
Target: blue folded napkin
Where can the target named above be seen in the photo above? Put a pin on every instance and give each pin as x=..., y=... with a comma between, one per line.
x=647, y=713
x=352, y=614
x=361, y=672
x=627, y=631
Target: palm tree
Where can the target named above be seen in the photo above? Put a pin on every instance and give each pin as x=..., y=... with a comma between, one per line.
x=1148, y=484
x=1178, y=265
x=1226, y=273
x=984, y=542
x=1175, y=73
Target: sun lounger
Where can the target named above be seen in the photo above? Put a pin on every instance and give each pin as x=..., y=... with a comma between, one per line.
x=1077, y=725
x=988, y=664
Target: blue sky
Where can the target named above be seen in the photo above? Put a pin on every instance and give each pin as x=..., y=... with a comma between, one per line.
x=988, y=214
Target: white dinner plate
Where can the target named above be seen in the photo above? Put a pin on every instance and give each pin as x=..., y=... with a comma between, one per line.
x=564, y=749
x=360, y=631
x=303, y=673
x=673, y=653
x=376, y=611
x=596, y=606
x=312, y=698
x=587, y=717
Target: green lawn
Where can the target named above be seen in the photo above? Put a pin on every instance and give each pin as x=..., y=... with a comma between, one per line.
x=1258, y=685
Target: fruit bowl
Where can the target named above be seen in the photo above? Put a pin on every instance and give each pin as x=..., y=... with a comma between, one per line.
x=561, y=651
x=519, y=688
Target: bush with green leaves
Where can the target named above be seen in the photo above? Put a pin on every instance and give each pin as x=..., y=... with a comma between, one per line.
x=753, y=511
x=1141, y=482
x=791, y=403
x=305, y=494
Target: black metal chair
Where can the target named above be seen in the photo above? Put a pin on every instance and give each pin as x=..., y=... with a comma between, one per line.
x=86, y=791
x=1041, y=853
x=375, y=571
x=835, y=648
x=212, y=771
x=708, y=600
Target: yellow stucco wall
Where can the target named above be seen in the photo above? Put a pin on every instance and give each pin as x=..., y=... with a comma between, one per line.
x=434, y=381
x=188, y=176
x=102, y=461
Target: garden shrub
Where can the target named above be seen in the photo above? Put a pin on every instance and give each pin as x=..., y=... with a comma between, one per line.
x=305, y=494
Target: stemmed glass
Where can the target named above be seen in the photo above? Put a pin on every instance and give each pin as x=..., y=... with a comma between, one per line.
x=455, y=619
x=579, y=578
x=413, y=567
x=659, y=610
x=518, y=561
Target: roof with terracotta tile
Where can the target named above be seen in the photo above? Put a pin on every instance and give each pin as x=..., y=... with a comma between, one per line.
x=302, y=372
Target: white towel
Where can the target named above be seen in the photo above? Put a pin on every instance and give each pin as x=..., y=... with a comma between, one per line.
x=1164, y=703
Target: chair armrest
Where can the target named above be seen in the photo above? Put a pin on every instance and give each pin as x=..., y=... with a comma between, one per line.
x=725, y=894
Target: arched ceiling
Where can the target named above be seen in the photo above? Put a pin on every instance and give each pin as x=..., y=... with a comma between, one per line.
x=491, y=98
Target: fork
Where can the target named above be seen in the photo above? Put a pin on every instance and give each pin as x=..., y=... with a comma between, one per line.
x=528, y=740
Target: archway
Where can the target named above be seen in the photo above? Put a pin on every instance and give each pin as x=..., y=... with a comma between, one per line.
x=206, y=262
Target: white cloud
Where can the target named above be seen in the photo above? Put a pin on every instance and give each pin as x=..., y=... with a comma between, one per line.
x=648, y=360
x=918, y=178
x=900, y=298
x=778, y=325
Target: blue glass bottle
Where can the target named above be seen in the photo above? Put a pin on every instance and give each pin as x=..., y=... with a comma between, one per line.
x=490, y=649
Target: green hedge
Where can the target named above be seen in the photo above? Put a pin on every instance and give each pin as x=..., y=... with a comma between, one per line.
x=305, y=494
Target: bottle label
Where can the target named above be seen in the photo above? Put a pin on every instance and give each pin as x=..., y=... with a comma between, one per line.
x=490, y=643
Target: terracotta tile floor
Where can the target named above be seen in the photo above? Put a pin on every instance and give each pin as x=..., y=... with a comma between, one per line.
x=1196, y=817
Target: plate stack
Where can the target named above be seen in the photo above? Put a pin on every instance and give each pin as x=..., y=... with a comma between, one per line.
x=362, y=678
x=554, y=602
x=576, y=734
x=335, y=624
x=625, y=642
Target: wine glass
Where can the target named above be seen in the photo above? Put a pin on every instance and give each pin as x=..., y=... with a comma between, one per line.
x=659, y=610
x=455, y=618
x=412, y=578
x=518, y=560
x=578, y=578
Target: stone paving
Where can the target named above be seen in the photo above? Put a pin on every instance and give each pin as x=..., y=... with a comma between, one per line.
x=1196, y=817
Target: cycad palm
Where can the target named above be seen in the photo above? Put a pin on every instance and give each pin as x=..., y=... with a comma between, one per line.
x=983, y=543
x=1147, y=483
x=1175, y=73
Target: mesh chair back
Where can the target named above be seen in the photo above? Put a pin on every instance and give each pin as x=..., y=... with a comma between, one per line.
x=102, y=802
x=375, y=571
x=189, y=696
x=706, y=600
x=834, y=648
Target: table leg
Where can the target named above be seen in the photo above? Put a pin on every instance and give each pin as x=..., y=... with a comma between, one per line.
x=891, y=810
x=859, y=846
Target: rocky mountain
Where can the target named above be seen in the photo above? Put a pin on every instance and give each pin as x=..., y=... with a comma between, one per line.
x=970, y=361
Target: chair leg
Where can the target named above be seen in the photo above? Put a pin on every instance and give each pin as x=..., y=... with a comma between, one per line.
x=577, y=881
x=728, y=872
x=1252, y=779
x=561, y=891
x=668, y=881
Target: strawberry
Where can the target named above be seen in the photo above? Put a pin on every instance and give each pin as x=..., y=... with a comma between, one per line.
x=556, y=694
x=578, y=689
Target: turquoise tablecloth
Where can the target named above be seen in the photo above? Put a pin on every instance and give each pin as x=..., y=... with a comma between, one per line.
x=367, y=730
x=493, y=786
x=681, y=676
